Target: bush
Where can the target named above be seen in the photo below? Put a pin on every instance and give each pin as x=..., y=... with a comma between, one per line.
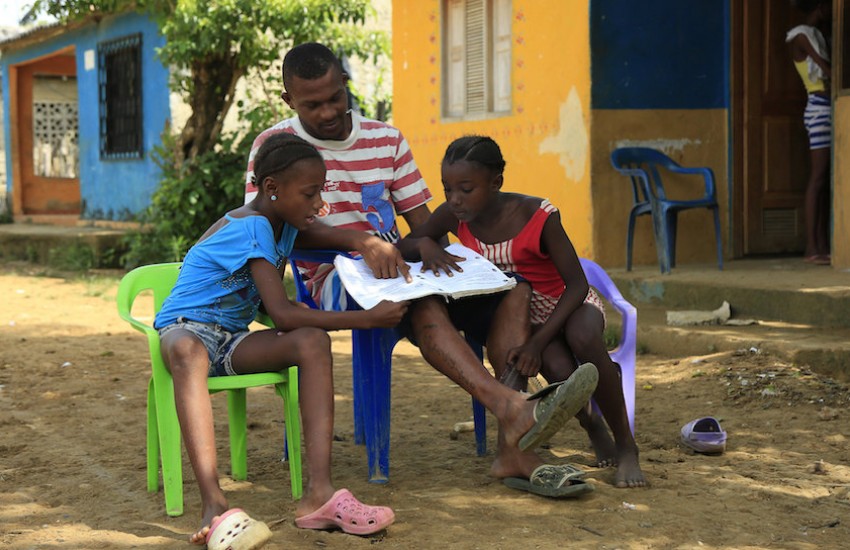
x=191, y=196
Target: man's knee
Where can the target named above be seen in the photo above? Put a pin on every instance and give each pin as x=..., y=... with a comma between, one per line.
x=430, y=309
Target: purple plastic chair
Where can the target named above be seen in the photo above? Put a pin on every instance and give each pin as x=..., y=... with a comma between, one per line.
x=372, y=373
x=625, y=354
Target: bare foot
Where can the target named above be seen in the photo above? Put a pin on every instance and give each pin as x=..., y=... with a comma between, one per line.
x=629, y=475
x=200, y=537
x=601, y=441
x=516, y=420
x=511, y=462
x=211, y=514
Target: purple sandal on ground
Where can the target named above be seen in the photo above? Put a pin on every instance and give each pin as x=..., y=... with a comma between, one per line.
x=704, y=435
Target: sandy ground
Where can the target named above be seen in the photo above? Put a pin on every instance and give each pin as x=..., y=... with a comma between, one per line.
x=73, y=379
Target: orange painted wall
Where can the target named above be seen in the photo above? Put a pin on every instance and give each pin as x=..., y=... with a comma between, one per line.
x=546, y=137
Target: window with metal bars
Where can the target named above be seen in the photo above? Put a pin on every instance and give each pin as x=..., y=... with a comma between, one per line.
x=120, y=94
x=476, y=57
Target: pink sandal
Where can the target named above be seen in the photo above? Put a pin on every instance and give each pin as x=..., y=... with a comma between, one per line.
x=345, y=512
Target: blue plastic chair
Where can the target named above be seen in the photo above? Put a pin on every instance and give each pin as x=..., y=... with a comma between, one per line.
x=372, y=372
x=641, y=165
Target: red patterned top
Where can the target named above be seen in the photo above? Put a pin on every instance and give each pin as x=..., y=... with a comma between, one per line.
x=523, y=255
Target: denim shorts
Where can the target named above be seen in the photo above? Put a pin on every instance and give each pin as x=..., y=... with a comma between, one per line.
x=220, y=343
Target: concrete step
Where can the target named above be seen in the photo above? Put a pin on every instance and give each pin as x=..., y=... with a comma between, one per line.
x=45, y=244
x=799, y=311
x=784, y=289
x=824, y=350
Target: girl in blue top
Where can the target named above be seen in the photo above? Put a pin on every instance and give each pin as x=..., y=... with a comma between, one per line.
x=203, y=326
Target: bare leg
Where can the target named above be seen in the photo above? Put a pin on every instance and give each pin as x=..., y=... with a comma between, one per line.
x=187, y=359
x=510, y=328
x=443, y=347
x=817, y=204
x=584, y=336
x=310, y=349
x=559, y=364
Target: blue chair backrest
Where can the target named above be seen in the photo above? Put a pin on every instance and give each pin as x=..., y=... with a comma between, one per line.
x=639, y=163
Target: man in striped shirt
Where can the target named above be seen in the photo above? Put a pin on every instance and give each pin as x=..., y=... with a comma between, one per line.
x=371, y=174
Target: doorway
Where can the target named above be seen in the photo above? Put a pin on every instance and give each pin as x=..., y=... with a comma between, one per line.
x=770, y=156
x=46, y=136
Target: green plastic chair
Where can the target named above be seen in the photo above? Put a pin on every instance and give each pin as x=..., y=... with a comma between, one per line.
x=163, y=429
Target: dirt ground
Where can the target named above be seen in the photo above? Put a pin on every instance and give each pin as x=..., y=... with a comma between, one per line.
x=73, y=379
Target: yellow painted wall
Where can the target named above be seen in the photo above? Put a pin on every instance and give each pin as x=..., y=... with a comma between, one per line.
x=691, y=138
x=841, y=183
x=546, y=137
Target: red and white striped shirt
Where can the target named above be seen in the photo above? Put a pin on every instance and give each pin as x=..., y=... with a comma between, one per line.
x=371, y=178
x=524, y=255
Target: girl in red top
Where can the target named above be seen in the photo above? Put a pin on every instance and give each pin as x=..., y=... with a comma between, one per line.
x=524, y=235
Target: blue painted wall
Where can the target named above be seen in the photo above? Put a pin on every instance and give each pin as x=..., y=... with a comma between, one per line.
x=110, y=189
x=664, y=54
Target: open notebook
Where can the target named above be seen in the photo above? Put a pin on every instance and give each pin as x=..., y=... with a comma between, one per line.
x=479, y=276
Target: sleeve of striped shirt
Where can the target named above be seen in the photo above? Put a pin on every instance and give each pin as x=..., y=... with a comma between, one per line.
x=250, y=186
x=408, y=189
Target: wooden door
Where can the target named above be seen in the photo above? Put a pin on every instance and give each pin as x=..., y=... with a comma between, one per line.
x=42, y=194
x=770, y=146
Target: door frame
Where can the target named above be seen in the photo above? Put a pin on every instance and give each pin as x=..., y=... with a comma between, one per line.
x=16, y=72
x=737, y=124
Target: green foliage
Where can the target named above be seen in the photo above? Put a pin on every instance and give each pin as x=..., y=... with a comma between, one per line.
x=6, y=211
x=191, y=196
x=75, y=257
x=211, y=44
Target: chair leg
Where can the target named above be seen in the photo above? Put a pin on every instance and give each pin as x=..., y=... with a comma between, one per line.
x=718, y=237
x=168, y=427
x=479, y=415
x=357, y=397
x=630, y=236
x=661, y=239
x=289, y=393
x=238, y=427
x=152, y=447
x=372, y=350
x=672, y=227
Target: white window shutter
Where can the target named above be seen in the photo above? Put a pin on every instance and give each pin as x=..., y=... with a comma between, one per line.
x=476, y=57
x=502, y=19
x=455, y=95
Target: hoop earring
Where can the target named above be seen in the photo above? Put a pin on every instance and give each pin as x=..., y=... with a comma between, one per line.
x=274, y=197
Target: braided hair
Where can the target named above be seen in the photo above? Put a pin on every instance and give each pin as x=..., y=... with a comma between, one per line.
x=480, y=149
x=279, y=152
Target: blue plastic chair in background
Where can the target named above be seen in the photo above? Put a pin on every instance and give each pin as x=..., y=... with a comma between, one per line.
x=372, y=373
x=641, y=165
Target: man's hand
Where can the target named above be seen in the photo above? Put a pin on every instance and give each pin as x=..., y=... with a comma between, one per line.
x=384, y=259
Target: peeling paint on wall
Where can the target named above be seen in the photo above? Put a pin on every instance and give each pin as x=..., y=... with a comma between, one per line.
x=571, y=143
x=666, y=146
